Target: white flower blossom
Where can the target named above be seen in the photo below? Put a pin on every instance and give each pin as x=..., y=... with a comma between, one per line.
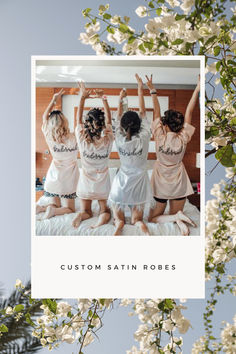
x=141, y=11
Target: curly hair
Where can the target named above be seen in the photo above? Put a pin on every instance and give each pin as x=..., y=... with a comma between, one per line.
x=94, y=123
x=57, y=126
x=131, y=123
x=173, y=119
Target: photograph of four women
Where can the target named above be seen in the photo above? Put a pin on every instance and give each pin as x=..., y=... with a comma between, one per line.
x=131, y=187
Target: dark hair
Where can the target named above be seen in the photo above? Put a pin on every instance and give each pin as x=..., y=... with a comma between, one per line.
x=55, y=112
x=131, y=123
x=173, y=119
x=94, y=122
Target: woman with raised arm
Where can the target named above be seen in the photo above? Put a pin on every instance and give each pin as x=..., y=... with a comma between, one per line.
x=170, y=180
x=63, y=174
x=131, y=186
x=95, y=138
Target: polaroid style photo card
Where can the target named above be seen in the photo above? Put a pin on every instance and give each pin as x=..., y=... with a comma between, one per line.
x=118, y=177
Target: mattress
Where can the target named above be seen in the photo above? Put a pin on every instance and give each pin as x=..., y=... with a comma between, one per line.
x=62, y=225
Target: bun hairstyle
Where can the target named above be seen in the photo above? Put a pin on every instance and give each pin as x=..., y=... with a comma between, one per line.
x=131, y=123
x=57, y=126
x=173, y=119
x=94, y=123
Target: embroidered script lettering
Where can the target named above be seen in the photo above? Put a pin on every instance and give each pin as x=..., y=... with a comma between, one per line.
x=64, y=148
x=169, y=151
x=130, y=153
x=94, y=156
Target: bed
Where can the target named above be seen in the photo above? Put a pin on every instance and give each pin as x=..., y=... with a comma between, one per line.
x=62, y=225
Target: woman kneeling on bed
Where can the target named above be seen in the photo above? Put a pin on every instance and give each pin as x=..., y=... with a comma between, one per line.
x=63, y=174
x=131, y=186
x=169, y=178
x=95, y=138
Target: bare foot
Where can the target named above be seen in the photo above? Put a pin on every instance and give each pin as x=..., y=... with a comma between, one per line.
x=103, y=219
x=143, y=227
x=119, y=226
x=182, y=217
x=183, y=228
x=40, y=209
x=49, y=212
x=76, y=222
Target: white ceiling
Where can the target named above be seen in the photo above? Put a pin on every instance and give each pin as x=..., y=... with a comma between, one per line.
x=111, y=72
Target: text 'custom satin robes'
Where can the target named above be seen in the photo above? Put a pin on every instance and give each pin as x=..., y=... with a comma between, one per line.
x=94, y=181
x=63, y=173
x=131, y=185
x=169, y=177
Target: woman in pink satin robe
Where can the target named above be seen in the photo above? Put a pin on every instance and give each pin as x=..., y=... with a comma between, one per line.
x=63, y=174
x=170, y=180
x=95, y=138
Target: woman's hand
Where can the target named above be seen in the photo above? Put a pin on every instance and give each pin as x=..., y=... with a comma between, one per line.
x=149, y=83
x=98, y=93
x=84, y=92
x=123, y=94
x=58, y=95
x=139, y=80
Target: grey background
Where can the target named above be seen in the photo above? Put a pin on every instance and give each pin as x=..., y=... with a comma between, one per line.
x=31, y=27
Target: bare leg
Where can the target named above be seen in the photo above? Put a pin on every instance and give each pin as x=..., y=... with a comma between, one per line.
x=176, y=207
x=137, y=219
x=119, y=220
x=157, y=212
x=105, y=214
x=84, y=214
x=67, y=207
x=53, y=201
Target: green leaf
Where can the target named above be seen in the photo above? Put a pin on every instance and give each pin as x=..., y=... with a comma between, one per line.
x=217, y=51
x=3, y=328
x=28, y=320
x=164, y=43
x=214, y=131
x=179, y=17
x=106, y=16
x=218, y=65
x=123, y=28
x=158, y=11
x=207, y=134
x=18, y=308
x=52, y=305
x=224, y=155
x=148, y=45
x=102, y=302
x=86, y=12
x=233, y=122
x=141, y=47
x=110, y=29
x=177, y=41
x=131, y=39
x=233, y=158
x=169, y=304
x=150, y=4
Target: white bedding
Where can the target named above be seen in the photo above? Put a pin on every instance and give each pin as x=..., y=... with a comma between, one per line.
x=62, y=225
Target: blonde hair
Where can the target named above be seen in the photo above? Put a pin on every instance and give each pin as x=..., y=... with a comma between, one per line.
x=57, y=127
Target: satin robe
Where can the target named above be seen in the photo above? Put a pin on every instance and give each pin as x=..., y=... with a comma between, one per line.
x=131, y=185
x=94, y=182
x=169, y=177
x=63, y=174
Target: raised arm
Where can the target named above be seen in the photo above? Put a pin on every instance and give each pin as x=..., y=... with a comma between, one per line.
x=53, y=101
x=83, y=94
x=191, y=104
x=155, y=102
x=123, y=94
x=142, y=110
x=100, y=94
